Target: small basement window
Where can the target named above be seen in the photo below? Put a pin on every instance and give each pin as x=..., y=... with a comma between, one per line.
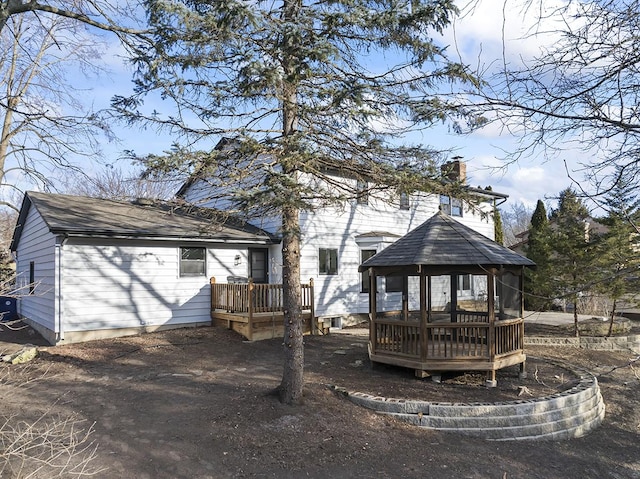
x=193, y=262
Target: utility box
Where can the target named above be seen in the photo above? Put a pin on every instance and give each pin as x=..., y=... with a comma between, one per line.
x=8, y=308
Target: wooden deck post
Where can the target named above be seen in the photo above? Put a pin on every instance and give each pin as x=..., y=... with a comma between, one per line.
x=212, y=282
x=314, y=323
x=251, y=298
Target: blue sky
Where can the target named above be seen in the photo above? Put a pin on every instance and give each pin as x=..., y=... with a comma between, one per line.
x=476, y=38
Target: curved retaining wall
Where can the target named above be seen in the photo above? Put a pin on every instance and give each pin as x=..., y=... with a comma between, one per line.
x=572, y=413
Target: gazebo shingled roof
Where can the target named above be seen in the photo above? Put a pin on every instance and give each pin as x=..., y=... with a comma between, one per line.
x=442, y=241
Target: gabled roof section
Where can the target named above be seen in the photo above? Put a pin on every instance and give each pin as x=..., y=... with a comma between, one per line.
x=443, y=242
x=223, y=144
x=228, y=144
x=83, y=216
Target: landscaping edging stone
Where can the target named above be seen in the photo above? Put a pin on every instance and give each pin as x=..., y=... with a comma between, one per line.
x=569, y=414
x=614, y=343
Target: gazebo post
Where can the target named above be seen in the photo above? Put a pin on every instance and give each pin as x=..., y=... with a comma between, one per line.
x=501, y=293
x=491, y=375
x=425, y=308
x=454, y=298
x=373, y=307
x=405, y=297
x=523, y=372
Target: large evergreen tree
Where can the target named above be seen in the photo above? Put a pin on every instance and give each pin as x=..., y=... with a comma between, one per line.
x=538, y=286
x=617, y=261
x=303, y=89
x=573, y=254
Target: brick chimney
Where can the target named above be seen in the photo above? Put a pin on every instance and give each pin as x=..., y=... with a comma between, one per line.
x=455, y=170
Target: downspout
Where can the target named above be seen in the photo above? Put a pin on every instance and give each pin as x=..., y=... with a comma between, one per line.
x=59, y=299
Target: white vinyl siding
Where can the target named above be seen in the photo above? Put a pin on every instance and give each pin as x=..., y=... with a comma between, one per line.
x=37, y=245
x=134, y=284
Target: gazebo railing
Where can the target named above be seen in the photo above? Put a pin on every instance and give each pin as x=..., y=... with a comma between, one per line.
x=509, y=336
x=400, y=338
x=447, y=340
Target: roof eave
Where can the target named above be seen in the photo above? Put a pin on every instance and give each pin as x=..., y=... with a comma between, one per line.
x=183, y=239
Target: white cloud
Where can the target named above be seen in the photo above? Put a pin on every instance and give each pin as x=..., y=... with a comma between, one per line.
x=488, y=32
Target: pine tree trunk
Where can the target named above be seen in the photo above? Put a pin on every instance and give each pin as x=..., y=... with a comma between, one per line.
x=611, y=318
x=576, y=330
x=291, y=387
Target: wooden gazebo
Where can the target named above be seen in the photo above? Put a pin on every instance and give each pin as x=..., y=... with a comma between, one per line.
x=461, y=302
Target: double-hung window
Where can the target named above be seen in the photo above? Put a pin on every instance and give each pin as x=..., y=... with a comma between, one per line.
x=362, y=192
x=464, y=284
x=193, y=261
x=328, y=261
x=404, y=201
x=365, y=254
x=451, y=206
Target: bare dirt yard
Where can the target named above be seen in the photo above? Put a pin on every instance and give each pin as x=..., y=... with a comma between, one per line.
x=198, y=403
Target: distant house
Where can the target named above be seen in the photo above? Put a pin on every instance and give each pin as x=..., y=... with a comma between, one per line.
x=591, y=227
x=99, y=268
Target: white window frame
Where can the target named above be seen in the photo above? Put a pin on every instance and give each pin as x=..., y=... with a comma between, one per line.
x=326, y=266
x=184, y=262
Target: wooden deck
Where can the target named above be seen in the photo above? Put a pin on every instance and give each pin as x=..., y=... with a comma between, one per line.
x=255, y=310
x=469, y=344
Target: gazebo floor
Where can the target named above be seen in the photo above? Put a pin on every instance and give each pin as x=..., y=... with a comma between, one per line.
x=435, y=364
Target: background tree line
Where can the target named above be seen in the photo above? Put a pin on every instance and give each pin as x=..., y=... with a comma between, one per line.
x=580, y=258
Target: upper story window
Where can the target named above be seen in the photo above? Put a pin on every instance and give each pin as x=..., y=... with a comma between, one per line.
x=193, y=262
x=327, y=261
x=362, y=192
x=404, y=201
x=451, y=206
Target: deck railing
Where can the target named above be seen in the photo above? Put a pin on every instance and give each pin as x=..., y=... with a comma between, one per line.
x=252, y=297
x=448, y=340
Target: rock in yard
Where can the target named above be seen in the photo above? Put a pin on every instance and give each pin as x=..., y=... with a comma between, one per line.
x=26, y=354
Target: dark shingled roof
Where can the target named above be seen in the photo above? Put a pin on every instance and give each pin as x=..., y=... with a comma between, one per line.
x=95, y=217
x=443, y=242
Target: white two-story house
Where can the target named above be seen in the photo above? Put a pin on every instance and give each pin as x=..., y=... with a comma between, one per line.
x=336, y=240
